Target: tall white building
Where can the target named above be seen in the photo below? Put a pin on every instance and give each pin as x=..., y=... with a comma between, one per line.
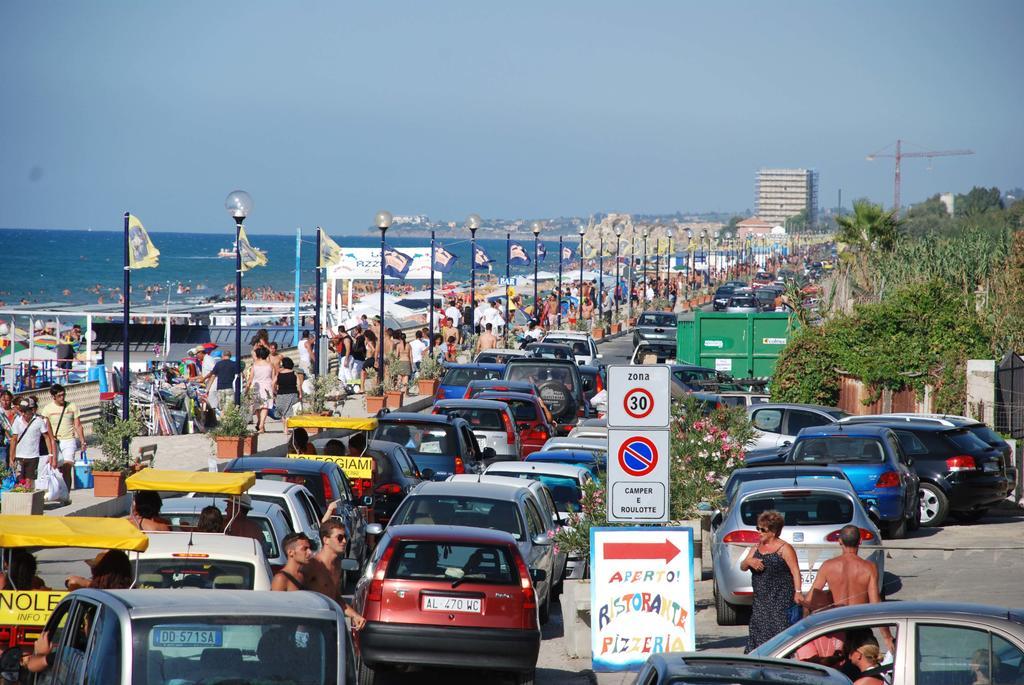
x=783, y=193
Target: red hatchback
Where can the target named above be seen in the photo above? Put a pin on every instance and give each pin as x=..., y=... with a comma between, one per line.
x=532, y=418
x=448, y=596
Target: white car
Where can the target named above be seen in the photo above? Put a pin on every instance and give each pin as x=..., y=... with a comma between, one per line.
x=599, y=446
x=584, y=349
x=213, y=561
x=296, y=501
x=590, y=428
x=654, y=353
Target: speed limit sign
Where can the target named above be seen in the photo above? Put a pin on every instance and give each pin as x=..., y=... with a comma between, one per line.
x=638, y=396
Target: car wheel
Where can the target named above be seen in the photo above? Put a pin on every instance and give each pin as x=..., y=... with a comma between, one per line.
x=897, y=530
x=367, y=676
x=727, y=614
x=934, y=505
x=970, y=516
x=526, y=678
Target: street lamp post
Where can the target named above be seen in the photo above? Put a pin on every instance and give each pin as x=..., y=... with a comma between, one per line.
x=559, y=295
x=535, y=227
x=657, y=266
x=643, y=234
x=600, y=278
x=668, y=262
x=618, y=236
x=707, y=255
x=383, y=222
x=579, y=300
x=238, y=204
x=689, y=259
x=472, y=223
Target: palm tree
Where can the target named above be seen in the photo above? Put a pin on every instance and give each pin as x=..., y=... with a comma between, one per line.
x=870, y=226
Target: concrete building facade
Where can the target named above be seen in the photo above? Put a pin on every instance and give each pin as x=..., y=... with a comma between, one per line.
x=784, y=193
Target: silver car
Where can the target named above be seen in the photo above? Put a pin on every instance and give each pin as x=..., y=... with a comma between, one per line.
x=492, y=422
x=590, y=428
x=597, y=446
x=776, y=424
x=655, y=327
x=922, y=643
x=815, y=510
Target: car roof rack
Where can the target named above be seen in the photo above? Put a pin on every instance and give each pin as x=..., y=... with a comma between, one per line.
x=908, y=418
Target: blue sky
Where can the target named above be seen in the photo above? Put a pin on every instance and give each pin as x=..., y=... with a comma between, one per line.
x=328, y=111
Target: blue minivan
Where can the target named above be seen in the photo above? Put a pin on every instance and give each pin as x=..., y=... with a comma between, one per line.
x=458, y=376
x=874, y=462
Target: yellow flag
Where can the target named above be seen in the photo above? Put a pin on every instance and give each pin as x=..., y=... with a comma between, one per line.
x=142, y=254
x=251, y=257
x=330, y=253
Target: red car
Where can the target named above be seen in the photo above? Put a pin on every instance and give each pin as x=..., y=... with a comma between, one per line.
x=448, y=596
x=532, y=418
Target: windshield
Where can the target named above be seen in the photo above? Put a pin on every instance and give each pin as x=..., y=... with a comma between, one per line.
x=458, y=564
x=421, y=438
x=745, y=301
x=654, y=354
x=480, y=419
x=800, y=508
x=464, y=376
x=552, y=351
x=662, y=320
x=565, y=490
x=838, y=450
x=195, y=573
x=542, y=373
x=451, y=510
x=249, y=649
x=579, y=347
x=725, y=291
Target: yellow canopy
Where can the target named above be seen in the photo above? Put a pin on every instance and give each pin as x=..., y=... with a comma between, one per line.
x=351, y=423
x=71, y=531
x=166, y=480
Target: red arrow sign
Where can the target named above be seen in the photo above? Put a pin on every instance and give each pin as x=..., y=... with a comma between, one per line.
x=641, y=550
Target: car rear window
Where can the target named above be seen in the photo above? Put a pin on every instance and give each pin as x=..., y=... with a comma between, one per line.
x=421, y=438
x=541, y=373
x=663, y=320
x=481, y=419
x=313, y=482
x=966, y=441
x=800, y=508
x=464, y=376
x=838, y=450
x=579, y=347
x=725, y=291
x=987, y=434
x=462, y=563
x=207, y=574
x=549, y=351
x=521, y=409
x=270, y=549
x=474, y=512
x=746, y=301
x=565, y=491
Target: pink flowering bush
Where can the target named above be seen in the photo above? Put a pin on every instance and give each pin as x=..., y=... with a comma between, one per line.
x=705, y=450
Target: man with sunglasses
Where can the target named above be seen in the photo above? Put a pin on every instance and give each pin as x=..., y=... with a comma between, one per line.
x=66, y=423
x=323, y=573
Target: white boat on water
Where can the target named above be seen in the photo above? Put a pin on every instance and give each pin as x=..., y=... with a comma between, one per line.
x=226, y=253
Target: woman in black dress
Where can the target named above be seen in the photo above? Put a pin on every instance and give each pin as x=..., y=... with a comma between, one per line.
x=776, y=580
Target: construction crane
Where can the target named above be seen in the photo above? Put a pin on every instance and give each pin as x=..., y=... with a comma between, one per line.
x=900, y=155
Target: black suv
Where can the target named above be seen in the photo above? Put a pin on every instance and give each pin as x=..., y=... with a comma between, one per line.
x=722, y=296
x=559, y=386
x=960, y=473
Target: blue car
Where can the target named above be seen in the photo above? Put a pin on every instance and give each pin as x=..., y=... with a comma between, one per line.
x=873, y=460
x=581, y=458
x=458, y=376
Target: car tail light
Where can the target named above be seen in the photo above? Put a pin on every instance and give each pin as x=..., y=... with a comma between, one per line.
x=388, y=489
x=377, y=584
x=460, y=466
x=961, y=462
x=362, y=486
x=864, y=535
x=744, y=536
x=510, y=429
x=537, y=433
x=440, y=393
x=468, y=395
x=529, y=598
x=275, y=472
x=889, y=479
x=328, y=490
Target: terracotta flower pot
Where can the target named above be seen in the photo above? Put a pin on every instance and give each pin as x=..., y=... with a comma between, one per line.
x=23, y=503
x=616, y=327
x=229, y=446
x=393, y=399
x=428, y=386
x=108, y=483
x=597, y=333
x=374, y=403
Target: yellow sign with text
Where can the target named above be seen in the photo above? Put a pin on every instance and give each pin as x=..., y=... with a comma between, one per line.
x=27, y=607
x=354, y=467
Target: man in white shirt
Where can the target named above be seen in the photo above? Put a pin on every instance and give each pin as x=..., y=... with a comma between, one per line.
x=454, y=314
x=480, y=314
x=26, y=431
x=493, y=316
x=416, y=349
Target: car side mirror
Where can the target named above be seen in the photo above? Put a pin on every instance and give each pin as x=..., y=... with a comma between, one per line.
x=538, y=575
x=349, y=564
x=427, y=473
x=541, y=539
x=374, y=529
x=716, y=520
x=367, y=500
x=586, y=384
x=489, y=453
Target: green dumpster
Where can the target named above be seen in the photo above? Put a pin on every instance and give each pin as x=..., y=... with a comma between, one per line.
x=743, y=345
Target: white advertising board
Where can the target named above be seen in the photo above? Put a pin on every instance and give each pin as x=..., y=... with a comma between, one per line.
x=638, y=396
x=638, y=475
x=362, y=263
x=641, y=595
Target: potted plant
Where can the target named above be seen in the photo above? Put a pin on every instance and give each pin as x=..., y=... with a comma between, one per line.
x=430, y=373
x=21, y=500
x=597, y=332
x=394, y=392
x=315, y=403
x=116, y=463
x=231, y=435
x=374, y=395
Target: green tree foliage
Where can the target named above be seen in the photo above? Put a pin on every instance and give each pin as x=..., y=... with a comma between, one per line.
x=978, y=201
x=806, y=370
x=870, y=226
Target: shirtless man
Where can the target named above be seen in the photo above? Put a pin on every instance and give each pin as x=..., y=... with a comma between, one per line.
x=487, y=339
x=241, y=525
x=850, y=579
x=294, y=574
x=323, y=574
